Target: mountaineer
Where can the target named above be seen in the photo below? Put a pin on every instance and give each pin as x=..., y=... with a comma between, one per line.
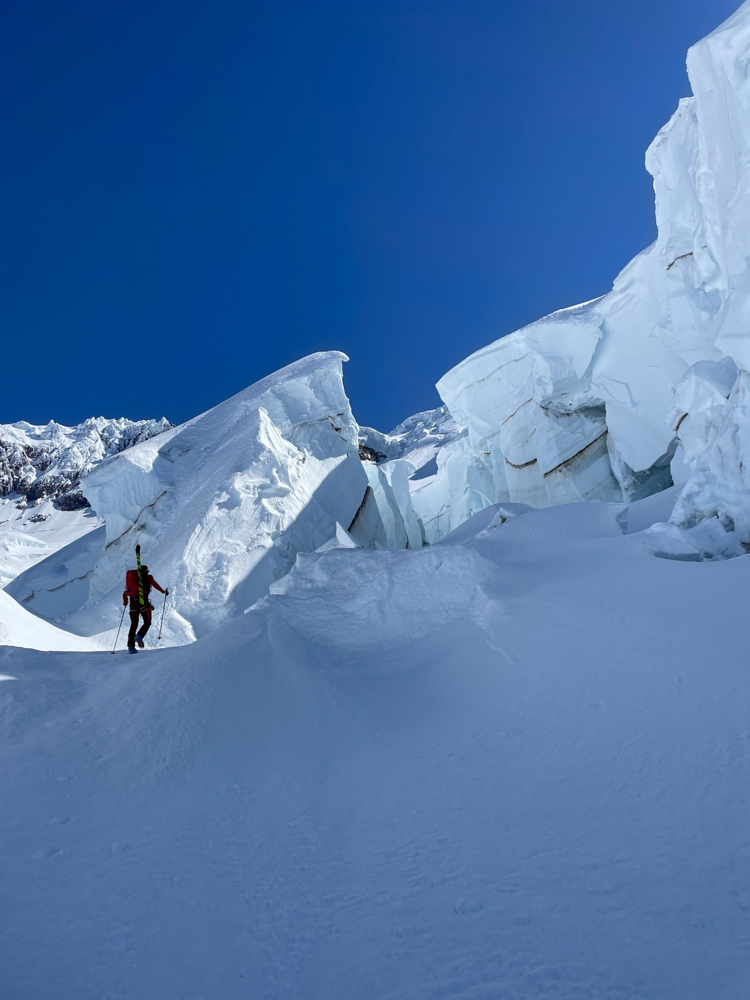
x=138, y=584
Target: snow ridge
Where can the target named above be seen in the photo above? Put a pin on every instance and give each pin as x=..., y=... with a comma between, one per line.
x=222, y=504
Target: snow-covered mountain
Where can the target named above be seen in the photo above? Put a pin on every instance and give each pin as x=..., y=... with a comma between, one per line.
x=42, y=508
x=611, y=400
x=37, y=462
x=441, y=732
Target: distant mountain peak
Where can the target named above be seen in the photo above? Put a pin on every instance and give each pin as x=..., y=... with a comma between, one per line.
x=43, y=461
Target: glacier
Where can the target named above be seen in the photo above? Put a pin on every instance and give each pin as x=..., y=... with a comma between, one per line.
x=612, y=400
x=580, y=405
x=511, y=764
x=456, y=710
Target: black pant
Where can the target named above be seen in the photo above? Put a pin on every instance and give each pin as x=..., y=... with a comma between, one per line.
x=135, y=614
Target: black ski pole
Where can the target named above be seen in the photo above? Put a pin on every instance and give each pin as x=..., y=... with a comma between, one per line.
x=122, y=618
x=161, y=624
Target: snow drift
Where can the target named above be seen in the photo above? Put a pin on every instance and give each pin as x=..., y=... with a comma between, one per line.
x=529, y=780
x=29, y=534
x=20, y=628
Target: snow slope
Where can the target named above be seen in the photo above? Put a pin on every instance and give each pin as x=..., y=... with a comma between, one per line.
x=514, y=764
x=20, y=628
x=60, y=584
x=29, y=535
x=511, y=764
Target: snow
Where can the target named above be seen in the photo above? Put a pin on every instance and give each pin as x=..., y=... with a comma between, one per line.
x=60, y=584
x=580, y=404
x=459, y=710
x=20, y=628
x=512, y=764
x=222, y=504
x=41, y=505
x=30, y=534
x=49, y=460
x=417, y=439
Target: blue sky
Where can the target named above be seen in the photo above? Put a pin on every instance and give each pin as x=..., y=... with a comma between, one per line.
x=195, y=194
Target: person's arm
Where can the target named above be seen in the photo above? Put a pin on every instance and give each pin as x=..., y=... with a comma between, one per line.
x=125, y=596
x=155, y=584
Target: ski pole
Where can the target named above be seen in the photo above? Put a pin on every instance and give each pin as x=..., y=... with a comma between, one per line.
x=161, y=624
x=122, y=618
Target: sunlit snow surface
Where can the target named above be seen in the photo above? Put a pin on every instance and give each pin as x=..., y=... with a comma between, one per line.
x=510, y=764
x=514, y=764
x=20, y=628
x=25, y=542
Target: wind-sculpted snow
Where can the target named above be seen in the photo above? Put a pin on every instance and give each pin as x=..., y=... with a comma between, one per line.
x=579, y=404
x=407, y=594
x=222, y=504
x=60, y=584
x=30, y=533
x=512, y=765
x=20, y=628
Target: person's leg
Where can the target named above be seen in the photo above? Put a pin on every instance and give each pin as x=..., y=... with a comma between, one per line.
x=134, y=616
x=146, y=622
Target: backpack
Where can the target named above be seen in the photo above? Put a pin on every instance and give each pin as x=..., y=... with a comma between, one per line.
x=131, y=584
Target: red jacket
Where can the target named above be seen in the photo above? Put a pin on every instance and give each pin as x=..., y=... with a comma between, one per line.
x=131, y=589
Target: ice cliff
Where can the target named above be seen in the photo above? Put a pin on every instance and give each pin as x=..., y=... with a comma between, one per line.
x=619, y=397
x=222, y=504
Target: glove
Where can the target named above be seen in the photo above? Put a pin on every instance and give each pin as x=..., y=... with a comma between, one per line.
x=166, y=592
x=124, y=602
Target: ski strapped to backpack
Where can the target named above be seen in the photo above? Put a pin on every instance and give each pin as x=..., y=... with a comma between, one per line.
x=140, y=578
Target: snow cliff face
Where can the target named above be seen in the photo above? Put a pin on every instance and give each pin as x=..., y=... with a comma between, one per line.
x=222, y=504
x=616, y=398
x=49, y=462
